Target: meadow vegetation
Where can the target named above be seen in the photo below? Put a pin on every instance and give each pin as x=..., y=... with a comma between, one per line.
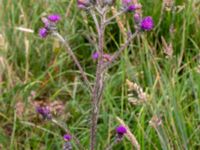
x=154, y=88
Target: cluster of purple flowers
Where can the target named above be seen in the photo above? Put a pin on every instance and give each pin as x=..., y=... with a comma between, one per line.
x=44, y=111
x=146, y=23
x=49, y=22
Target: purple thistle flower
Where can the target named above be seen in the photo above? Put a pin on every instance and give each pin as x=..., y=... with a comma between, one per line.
x=44, y=111
x=67, y=137
x=54, y=18
x=147, y=24
x=95, y=55
x=43, y=32
x=131, y=8
x=121, y=130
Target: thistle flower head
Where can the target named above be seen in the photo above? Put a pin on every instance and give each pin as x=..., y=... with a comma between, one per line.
x=131, y=8
x=43, y=32
x=44, y=111
x=67, y=137
x=147, y=23
x=54, y=18
x=121, y=130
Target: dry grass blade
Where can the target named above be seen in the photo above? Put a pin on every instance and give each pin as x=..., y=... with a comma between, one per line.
x=20, y=108
x=155, y=121
x=119, y=22
x=2, y=69
x=130, y=136
x=24, y=29
x=135, y=88
x=2, y=41
x=69, y=8
x=168, y=3
x=168, y=49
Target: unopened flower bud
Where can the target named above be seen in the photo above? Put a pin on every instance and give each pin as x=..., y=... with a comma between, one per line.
x=43, y=32
x=137, y=18
x=95, y=55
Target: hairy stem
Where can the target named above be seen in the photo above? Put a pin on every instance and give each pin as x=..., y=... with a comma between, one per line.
x=70, y=52
x=99, y=83
x=110, y=147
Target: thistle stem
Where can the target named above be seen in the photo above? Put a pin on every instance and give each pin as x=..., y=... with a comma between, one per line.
x=67, y=131
x=70, y=52
x=115, y=16
x=121, y=49
x=99, y=82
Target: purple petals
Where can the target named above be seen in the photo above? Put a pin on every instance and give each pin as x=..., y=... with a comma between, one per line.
x=44, y=111
x=54, y=18
x=67, y=137
x=147, y=23
x=43, y=32
x=131, y=8
x=121, y=130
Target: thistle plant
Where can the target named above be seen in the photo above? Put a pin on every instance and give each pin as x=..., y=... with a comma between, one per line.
x=99, y=10
x=120, y=132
